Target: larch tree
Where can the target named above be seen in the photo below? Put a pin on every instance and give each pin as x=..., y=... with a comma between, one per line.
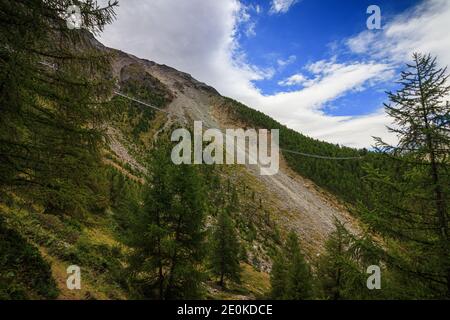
x=410, y=206
x=278, y=277
x=167, y=236
x=53, y=90
x=333, y=264
x=291, y=277
x=299, y=277
x=225, y=250
x=341, y=269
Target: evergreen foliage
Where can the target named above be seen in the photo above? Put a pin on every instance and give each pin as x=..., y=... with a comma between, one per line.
x=410, y=206
x=167, y=236
x=278, y=277
x=341, y=270
x=225, y=250
x=291, y=277
x=52, y=93
x=55, y=96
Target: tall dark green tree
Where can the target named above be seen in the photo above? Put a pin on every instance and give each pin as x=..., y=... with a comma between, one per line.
x=167, y=236
x=411, y=205
x=225, y=249
x=52, y=92
x=278, y=277
x=341, y=269
x=291, y=277
x=333, y=264
x=299, y=277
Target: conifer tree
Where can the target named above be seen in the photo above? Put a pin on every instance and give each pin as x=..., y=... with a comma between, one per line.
x=167, y=236
x=291, y=277
x=278, y=277
x=332, y=265
x=411, y=205
x=52, y=92
x=341, y=270
x=225, y=250
x=299, y=278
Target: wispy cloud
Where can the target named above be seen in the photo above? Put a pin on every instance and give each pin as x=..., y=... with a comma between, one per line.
x=250, y=29
x=295, y=79
x=282, y=6
x=301, y=109
x=424, y=28
x=285, y=62
x=247, y=19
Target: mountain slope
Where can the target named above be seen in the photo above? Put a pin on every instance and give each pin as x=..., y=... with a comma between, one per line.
x=266, y=207
x=295, y=202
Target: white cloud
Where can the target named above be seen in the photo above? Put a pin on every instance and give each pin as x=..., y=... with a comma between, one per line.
x=196, y=36
x=324, y=66
x=250, y=29
x=282, y=63
x=201, y=37
x=282, y=6
x=248, y=24
x=295, y=79
x=425, y=28
x=301, y=110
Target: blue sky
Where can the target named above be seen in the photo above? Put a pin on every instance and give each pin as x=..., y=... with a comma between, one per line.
x=311, y=64
x=310, y=31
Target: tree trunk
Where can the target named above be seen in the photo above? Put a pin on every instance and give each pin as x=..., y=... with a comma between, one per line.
x=221, y=280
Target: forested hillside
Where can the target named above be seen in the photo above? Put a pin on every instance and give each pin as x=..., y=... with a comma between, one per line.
x=86, y=179
x=401, y=192
x=343, y=177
